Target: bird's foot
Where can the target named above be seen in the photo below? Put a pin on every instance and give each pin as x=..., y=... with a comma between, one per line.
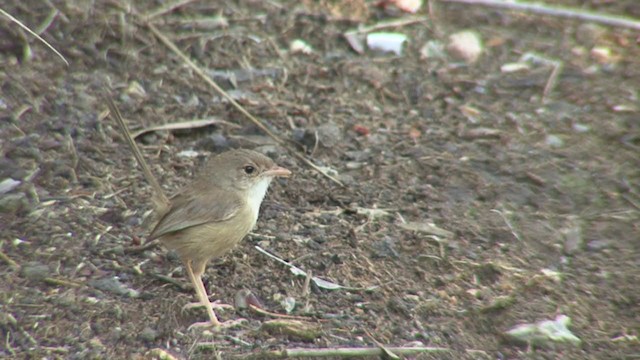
x=217, y=325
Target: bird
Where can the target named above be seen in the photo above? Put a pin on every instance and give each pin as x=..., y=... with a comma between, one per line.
x=211, y=215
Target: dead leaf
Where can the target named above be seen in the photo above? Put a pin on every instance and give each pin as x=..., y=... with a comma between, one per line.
x=429, y=228
x=189, y=124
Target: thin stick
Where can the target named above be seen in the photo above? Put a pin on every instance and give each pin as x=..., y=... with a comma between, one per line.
x=167, y=8
x=388, y=354
x=8, y=260
x=339, y=352
x=504, y=218
x=198, y=70
x=571, y=13
x=61, y=282
x=159, y=199
x=34, y=34
x=266, y=313
x=388, y=24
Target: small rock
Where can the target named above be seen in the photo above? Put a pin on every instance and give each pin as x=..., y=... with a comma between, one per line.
x=386, y=42
x=8, y=184
x=544, y=333
x=135, y=89
x=114, y=286
x=117, y=250
x=207, y=23
x=215, y=143
x=67, y=300
x=9, y=168
x=96, y=343
x=466, y=46
x=603, y=55
x=159, y=354
x=293, y=329
x=148, y=334
x=385, y=248
x=573, y=240
x=192, y=103
x=554, y=141
x=298, y=46
x=354, y=165
x=35, y=271
x=13, y=203
x=188, y=154
x=347, y=179
x=580, y=128
x=410, y=6
x=329, y=134
x=514, y=67
x=269, y=150
x=288, y=304
x=597, y=245
x=117, y=312
x=305, y=137
x=433, y=49
x=589, y=34
x=358, y=156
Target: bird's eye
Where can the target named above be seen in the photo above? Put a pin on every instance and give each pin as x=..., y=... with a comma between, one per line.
x=249, y=169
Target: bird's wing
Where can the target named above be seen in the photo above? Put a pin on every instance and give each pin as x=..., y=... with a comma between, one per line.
x=191, y=208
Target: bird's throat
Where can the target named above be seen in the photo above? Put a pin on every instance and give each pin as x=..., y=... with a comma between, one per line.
x=255, y=195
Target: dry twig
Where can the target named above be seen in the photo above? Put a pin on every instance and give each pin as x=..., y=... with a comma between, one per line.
x=571, y=13
x=4, y=257
x=266, y=313
x=23, y=26
x=61, y=282
x=160, y=200
x=166, y=8
x=207, y=79
x=340, y=352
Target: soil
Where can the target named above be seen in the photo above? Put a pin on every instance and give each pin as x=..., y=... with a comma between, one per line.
x=472, y=201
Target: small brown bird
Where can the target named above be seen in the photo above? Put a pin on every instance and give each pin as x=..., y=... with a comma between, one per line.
x=209, y=217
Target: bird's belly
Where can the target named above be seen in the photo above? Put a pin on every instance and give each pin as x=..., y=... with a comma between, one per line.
x=210, y=240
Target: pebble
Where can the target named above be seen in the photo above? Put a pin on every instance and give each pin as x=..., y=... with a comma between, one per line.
x=358, y=156
x=554, y=141
x=589, y=34
x=385, y=248
x=13, y=203
x=306, y=138
x=35, y=271
x=573, y=240
x=329, y=134
x=432, y=49
x=215, y=143
x=465, y=45
x=114, y=286
x=148, y=334
x=68, y=299
x=597, y=245
x=8, y=184
x=269, y=150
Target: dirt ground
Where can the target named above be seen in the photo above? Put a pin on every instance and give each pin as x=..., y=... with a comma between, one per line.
x=472, y=202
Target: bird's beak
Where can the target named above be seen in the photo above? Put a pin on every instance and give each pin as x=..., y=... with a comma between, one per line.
x=277, y=171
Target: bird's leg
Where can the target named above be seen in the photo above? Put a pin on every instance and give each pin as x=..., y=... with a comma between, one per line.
x=196, y=280
x=201, y=292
